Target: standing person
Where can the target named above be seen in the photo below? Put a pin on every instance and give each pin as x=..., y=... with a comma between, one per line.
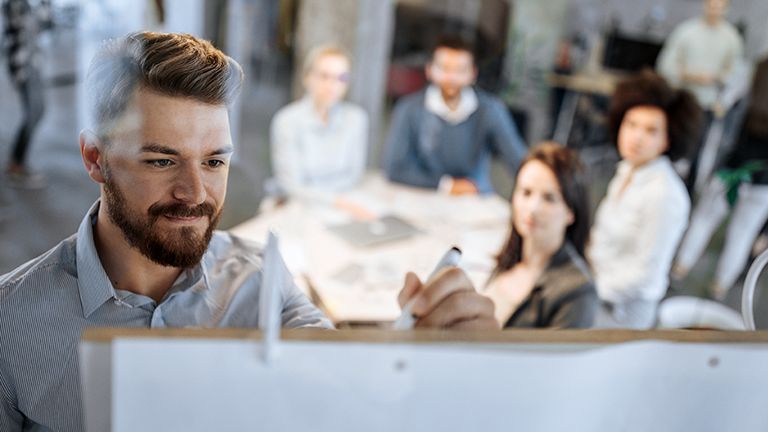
x=24, y=21
x=445, y=135
x=541, y=278
x=699, y=56
x=319, y=143
x=641, y=220
x=741, y=187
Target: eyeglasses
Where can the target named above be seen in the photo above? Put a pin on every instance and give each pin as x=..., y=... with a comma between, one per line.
x=325, y=76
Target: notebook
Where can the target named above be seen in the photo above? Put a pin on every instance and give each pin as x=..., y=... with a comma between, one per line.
x=369, y=233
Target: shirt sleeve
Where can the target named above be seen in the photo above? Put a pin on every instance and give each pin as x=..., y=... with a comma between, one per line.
x=402, y=162
x=735, y=54
x=11, y=420
x=285, y=152
x=358, y=148
x=671, y=59
x=640, y=273
x=506, y=140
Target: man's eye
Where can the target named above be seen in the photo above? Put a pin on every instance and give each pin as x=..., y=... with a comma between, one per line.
x=215, y=163
x=160, y=163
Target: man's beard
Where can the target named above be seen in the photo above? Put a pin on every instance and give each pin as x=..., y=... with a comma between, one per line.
x=182, y=247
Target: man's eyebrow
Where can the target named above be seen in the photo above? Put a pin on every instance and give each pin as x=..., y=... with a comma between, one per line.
x=157, y=148
x=222, y=151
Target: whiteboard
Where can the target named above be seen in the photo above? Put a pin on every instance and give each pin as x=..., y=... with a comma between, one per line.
x=207, y=384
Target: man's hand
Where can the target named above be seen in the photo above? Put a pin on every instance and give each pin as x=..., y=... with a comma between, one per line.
x=448, y=301
x=462, y=186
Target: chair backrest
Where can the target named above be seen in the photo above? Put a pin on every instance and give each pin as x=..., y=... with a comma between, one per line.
x=757, y=272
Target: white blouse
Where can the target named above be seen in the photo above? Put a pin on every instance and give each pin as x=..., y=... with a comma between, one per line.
x=637, y=231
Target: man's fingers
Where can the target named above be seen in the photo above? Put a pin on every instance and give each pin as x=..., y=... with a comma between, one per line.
x=411, y=286
x=457, y=307
x=446, y=282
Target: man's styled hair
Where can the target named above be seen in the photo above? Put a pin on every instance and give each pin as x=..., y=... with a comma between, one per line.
x=454, y=42
x=684, y=116
x=178, y=65
x=321, y=51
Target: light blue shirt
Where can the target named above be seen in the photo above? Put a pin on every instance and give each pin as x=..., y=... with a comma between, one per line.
x=312, y=158
x=46, y=303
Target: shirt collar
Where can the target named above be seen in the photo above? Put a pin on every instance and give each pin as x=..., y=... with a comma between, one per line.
x=646, y=170
x=434, y=103
x=92, y=281
x=566, y=254
x=314, y=117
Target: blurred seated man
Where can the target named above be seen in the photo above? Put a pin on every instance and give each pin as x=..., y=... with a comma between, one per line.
x=445, y=135
x=319, y=143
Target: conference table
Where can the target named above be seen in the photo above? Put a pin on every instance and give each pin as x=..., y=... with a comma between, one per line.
x=358, y=284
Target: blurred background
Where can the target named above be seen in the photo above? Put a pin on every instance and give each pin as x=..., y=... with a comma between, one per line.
x=526, y=50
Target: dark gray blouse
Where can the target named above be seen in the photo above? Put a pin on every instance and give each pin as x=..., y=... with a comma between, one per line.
x=564, y=296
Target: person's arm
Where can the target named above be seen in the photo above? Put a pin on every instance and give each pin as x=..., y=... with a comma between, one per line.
x=735, y=54
x=359, y=147
x=671, y=60
x=507, y=142
x=577, y=309
x=663, y=222
x=448, y=301
x=11, y=420
x=284, y=144
x=402, y=161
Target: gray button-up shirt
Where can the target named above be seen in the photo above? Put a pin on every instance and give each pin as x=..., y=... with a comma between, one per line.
x=46, y=303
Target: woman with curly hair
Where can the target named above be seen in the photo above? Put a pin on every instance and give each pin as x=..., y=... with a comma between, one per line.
x=641, y=220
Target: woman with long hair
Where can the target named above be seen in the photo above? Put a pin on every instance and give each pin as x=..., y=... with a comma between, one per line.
x=541, y=278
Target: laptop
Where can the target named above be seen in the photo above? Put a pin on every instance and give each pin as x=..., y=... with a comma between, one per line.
x=369, y=233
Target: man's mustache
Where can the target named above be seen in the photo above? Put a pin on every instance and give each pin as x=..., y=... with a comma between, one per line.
x=181, y=210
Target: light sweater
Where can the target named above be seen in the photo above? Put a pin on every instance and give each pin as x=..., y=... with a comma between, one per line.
x=696, y=47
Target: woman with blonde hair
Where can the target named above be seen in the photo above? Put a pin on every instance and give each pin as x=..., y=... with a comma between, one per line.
x=319, y=143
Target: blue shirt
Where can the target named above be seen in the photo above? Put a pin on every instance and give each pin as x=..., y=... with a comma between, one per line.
x=422, y=147
x=46, y=303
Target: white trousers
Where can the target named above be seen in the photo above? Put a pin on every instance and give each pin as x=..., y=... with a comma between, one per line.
x=748, y=217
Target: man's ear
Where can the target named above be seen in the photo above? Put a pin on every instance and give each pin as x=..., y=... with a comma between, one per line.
x=428, y=71
x=92, y=152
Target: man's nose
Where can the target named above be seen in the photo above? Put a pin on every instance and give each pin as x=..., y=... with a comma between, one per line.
x=189, y=186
